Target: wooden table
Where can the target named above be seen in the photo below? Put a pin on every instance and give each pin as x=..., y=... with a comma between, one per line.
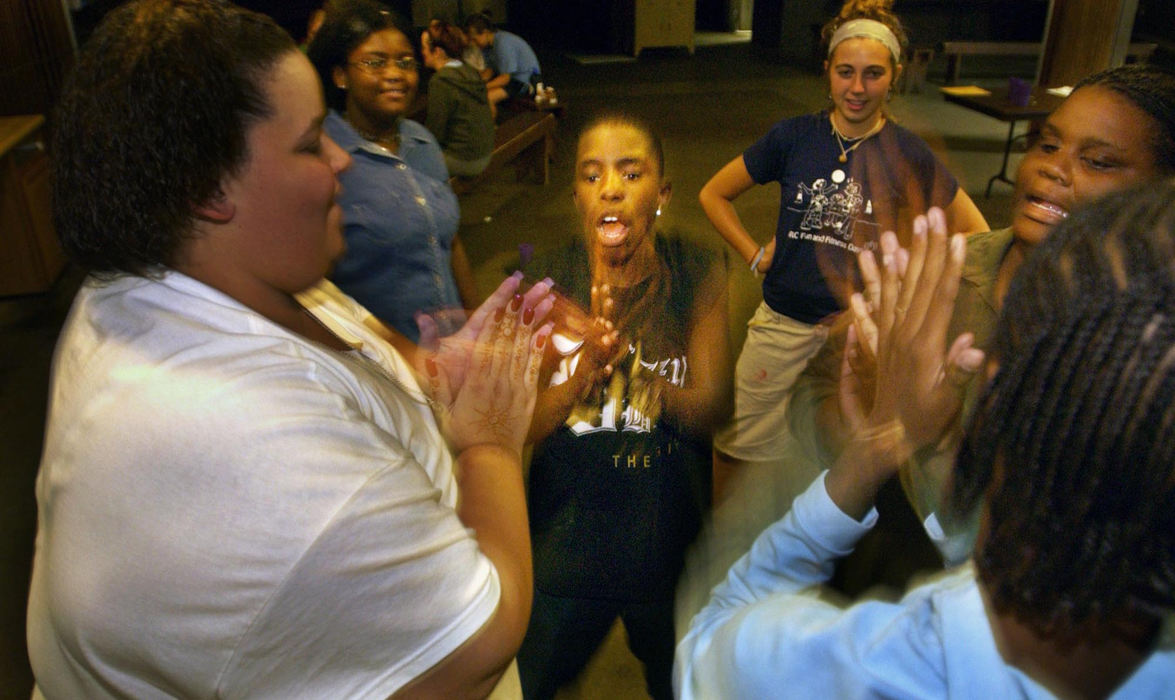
x=996, y=105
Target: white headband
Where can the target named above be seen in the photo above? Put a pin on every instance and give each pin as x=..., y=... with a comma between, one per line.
x=871, y=29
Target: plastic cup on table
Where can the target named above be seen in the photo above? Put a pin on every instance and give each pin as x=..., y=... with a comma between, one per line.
x=1019, y=92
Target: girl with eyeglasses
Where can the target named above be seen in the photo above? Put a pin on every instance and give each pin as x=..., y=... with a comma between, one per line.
x=400, y=215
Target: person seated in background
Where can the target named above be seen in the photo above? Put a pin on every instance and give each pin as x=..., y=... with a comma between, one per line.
x=1069, y=458
x=619, y=480
x=459, y=111
x=400, y=216
x=515, y=68
x=1116, y=128
x=244, y=491
x=471, y=54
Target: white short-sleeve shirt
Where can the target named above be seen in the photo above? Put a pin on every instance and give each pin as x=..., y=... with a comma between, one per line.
x=229, y=509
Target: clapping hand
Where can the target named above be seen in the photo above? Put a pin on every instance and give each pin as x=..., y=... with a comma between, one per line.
x=917, y=380
x=495, y=399
x=451, y=354
x=917, y=385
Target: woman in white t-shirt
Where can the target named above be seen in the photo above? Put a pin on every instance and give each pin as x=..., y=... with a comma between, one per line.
x=245, y=491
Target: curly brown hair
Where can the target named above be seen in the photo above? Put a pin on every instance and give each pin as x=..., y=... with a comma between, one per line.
x=878, y=10
x=150, y=122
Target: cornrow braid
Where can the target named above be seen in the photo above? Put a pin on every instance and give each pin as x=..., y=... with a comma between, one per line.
x=1151, y=89
x=1073, y=442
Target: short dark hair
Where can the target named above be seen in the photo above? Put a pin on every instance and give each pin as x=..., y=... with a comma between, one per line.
x=447, y=38
x=151, y=121
x=1151, y=89
x=1073, y=442
x=478, y=23
x=641, y=125
x=348, y=23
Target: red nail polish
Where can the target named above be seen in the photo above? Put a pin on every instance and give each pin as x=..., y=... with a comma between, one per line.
x=541, y=342
x=516, y=303
x=499, y=314
x=431, y=366
x=528, y=315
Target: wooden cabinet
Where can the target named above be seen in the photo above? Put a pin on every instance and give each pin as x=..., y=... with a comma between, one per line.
x=663, y=23
x=30, y=255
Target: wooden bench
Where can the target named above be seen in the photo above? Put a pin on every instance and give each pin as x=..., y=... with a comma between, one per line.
x=528, y=137
x=955, y=50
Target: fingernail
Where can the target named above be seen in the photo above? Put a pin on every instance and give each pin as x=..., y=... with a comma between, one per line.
x=517, y=275
x=516, y=303
x=858, y=303
x=541, y=341
x=430, y=366
x=548, y=281
x=528, y=315
x=499, y=314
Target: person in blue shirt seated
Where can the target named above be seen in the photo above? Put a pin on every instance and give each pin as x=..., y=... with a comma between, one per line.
x=516, y=68
x=1068, y=458
x=400, y=215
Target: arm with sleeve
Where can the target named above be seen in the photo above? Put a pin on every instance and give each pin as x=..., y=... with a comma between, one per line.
x=765, y=628
x=513, y=56
x=442, y=102
x=283, y=515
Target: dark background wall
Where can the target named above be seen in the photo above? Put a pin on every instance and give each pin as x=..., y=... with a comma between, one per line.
x=788, y=26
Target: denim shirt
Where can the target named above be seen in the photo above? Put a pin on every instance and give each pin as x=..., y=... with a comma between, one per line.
x=399, y=221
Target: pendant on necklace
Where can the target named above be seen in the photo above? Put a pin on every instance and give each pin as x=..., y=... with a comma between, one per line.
x=843, y=158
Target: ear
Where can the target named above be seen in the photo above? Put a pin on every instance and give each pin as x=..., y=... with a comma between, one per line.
x=340, y=77
x=826, y=67
x=218, y=209
x=897, y=73
x=665, y=194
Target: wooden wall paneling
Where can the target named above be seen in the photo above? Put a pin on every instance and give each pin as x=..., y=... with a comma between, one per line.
x=1082, y=38
x=36, y=51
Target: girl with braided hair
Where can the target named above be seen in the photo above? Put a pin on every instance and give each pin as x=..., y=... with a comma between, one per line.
x=1115, y=129
x=1069, y=457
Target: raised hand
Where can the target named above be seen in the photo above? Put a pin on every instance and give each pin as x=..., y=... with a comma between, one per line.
x=451, y=355
x=494, y=403
x=918, y=378
x=859, y=362
x=916, y=397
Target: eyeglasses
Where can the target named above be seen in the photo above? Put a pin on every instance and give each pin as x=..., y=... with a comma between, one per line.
x=376, y=66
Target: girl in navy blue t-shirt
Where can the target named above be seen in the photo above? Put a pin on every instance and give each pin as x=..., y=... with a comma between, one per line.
x=846, y=174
